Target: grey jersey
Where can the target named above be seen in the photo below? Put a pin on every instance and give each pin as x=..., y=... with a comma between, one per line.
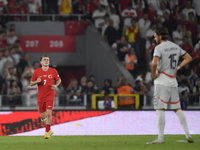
x=169, y=54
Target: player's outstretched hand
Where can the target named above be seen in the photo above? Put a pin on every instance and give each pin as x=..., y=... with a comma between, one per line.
x=53, y=87
x=39, y=80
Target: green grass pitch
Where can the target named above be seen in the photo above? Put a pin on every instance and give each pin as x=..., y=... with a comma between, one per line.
x=125, y=142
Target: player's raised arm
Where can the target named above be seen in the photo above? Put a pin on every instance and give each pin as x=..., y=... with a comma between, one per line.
x=32, y=83
x=186, y=59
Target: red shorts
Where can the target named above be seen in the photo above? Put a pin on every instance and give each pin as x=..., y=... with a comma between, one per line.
x=43, y=106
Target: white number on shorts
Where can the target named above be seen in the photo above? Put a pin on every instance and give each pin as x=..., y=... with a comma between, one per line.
x=45, y=82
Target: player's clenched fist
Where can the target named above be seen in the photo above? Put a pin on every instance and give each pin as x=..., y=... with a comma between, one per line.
x=39, y=80
x=53, y=87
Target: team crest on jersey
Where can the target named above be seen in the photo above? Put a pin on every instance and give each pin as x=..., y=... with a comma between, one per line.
x=45, y=75
x=50, y=76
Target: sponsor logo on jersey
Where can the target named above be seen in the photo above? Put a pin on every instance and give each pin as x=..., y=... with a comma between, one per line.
x=45, y=75
x=50, y=76
x=49, y=106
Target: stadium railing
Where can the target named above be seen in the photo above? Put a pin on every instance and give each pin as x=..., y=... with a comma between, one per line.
x=115, y=98
x=50, y=16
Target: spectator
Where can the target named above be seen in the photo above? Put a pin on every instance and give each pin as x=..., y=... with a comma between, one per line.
x=196, y=5
x=12, y=93
x=14, y=56
x=83, y=84
x=173, y=4
x=104, y=24
x=98, y=16
x=108, y=88
x=25, y=80
x=78, y=7
x=138, y=3
x=183, y=86
x=188, y=34
x=191, y=26
x=35, y=65
x=162, y=11
x=185, y=45
x=104, y=2
x=18, y=48
x=196, y=88
x=65, y=7
x=192, y=79
x=89, y=91
x=22, y=64
x=155, y=4
x=197, y=46
x=110, y=34
x=186, y=71
x=170, y=23
x=151, y=14
x=12, y=37
x=122, y=48
x=127, y=15
x=124, y=88
x=23, y=9
x=176, y=12
x=96, y=88
x=2, y=86
x=115, y=18
x=139, y=11
x=6, y=56
x=11, y=75
x=132, y=34
x=108, y=103
x=91, y=6
x=35, y=6
x=143, y=26
x=184, y=100
x=2, y=63
x=187, y=10
x=122, y=4
x=178, y=35
x=3, y=42
x=131, y=62
x=13, y=7
x=3, y=5
x=74, y=90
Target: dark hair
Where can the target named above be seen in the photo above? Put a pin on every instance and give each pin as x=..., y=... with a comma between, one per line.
x=11, y=30
x=44, y=56
x=1, y=32
x=12, y=25
x=129, y=4
x=91, y=76
x=11, y=82
x=175, y=7
x=162, y=32
x=152, y=24
x=90, y=81
x=17, y=41
x=129, y=51
x=35, y=62
x=102, y=6
x=109, y=81
x=106, y=16
x=137, y=82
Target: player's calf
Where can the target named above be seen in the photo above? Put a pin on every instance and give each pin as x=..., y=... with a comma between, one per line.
x=44, y=121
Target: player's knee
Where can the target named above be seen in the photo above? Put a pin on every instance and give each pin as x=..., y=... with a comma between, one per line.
x=48, y=114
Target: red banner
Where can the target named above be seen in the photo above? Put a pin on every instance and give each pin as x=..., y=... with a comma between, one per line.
x=22, y=121
x=48, y=43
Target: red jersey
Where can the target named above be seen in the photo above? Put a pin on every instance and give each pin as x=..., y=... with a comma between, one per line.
x=3, y=43
x=12, y=10
x=45, y=93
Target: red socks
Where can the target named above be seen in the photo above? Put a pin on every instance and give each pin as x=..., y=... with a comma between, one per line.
x=48, y=127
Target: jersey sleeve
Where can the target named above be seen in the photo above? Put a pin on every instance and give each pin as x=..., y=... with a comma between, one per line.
x=182, y=52
x=157, y=53
x=34, y=76
x=56, y=77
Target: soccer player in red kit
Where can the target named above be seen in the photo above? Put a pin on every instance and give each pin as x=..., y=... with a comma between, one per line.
x=44, y=77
